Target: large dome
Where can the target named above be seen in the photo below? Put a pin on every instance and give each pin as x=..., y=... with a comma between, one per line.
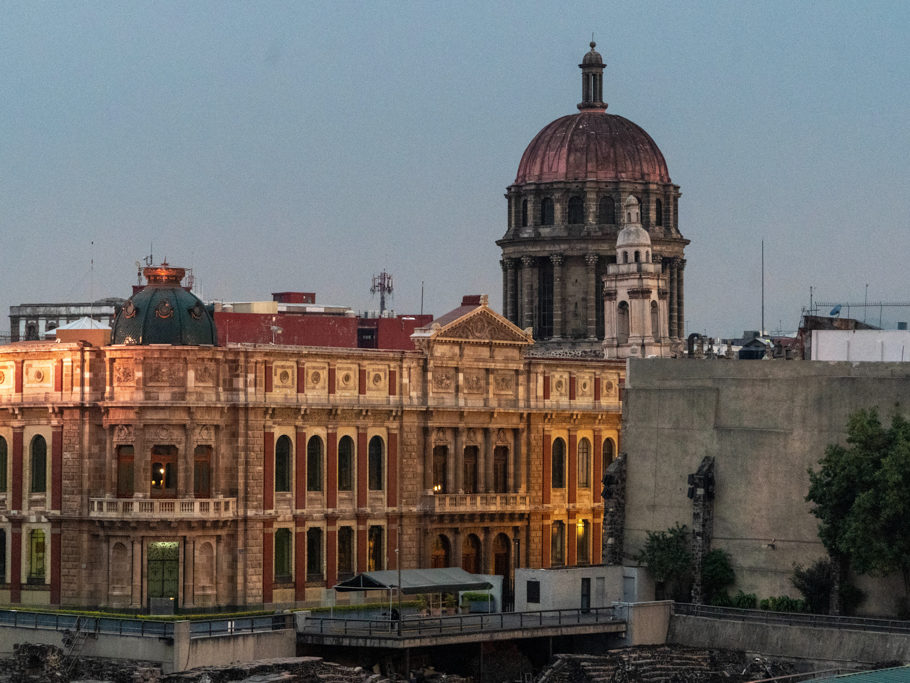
x=163, y=312
x=592, y=145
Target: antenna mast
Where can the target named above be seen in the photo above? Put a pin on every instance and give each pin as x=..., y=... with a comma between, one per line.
x=382, y=283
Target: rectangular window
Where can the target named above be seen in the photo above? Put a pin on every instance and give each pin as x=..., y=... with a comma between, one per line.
x=374, y=549
x=36, y=552
x=314, y=554
x=125, y=462
x=283, y=552
x=533, y=592
x=345, y=552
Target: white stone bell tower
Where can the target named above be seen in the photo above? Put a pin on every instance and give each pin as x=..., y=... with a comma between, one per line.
x=636, y=317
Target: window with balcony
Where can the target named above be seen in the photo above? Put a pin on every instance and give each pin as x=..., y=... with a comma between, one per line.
x=283, y=556
x=345, y=553
x=38, y=465
x=283, y=464
x=559, y=464
x=501, y=469
x=440, y=458
x=125, y=469
x=202, y=472
x=376, y=464
x=3, y=465
x=583, y=541
x=346, y=464
x=558, y=544
x=584, y=464
x=375, y=549
x=36, y=556
x=314, y=455
x=164, y=471
x=314, y=554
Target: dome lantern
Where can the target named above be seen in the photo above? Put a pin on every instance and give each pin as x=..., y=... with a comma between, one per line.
x=592, y=70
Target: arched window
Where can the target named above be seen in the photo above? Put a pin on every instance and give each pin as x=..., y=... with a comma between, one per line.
x=625, y=257
x=622, y=323
x=546, y=211
x=583, y=542
x=524, y=213
x=441, y=556
x=584, y=464
x=658, y=212
x=470, y=554
x=283, y=464
x=374, y=549
x=3, y=466
x=36, y=555
x=637, y=256
x=376, y=457
x=655, y=321
x=38, y=465
x=576, y=210
x=125, y=459
x=559, y=464
x=164, y=471
x=202, y=472
x=314, y=452
x=606, y=211
x=440, y=459
x=283, y=555
x=558, y=544
x=120, y=568
x=346, y=464
x=609, y=452
x=204, y=569
x=314, y=554
x=544, y=328
x=345, y=552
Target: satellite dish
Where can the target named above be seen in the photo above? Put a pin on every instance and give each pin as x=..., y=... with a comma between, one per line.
x=835, y=310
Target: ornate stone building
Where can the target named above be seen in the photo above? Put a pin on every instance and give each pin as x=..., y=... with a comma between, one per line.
x=165, y=466
x=564, y=215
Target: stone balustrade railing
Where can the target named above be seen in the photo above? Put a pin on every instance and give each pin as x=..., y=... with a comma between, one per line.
x=162, y=508
x=474, y=502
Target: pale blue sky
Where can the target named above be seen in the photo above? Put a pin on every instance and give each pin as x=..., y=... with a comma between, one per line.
x=305, y=146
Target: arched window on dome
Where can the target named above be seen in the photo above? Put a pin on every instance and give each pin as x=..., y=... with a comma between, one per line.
x=637, y=256
x=546, y=211
x=655, y=321
x=622, y=323
x=606, y=211
x=658, y=212
x=625, y=257
x=576, y=210
x=524, y=213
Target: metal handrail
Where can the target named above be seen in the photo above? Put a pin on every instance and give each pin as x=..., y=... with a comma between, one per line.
x=420, y=626
x=792, y=618
x=108, y=625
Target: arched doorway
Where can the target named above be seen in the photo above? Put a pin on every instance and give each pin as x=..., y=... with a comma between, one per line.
x=442, y=553
x=470, y=554
x=502, y=565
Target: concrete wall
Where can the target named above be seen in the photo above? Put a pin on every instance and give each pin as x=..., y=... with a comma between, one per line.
x=177, y=654
x=822, y=645
x=647, y=623
x=861, y=345
x=561, y=588
x=766, y=424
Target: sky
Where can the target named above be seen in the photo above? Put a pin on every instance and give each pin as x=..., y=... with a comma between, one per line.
x=307, y=146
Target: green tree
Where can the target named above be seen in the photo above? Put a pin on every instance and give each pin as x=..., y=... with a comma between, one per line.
x=667, y=556
x=716, y=574
x=861, y=496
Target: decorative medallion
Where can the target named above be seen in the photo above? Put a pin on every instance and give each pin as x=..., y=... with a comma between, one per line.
x=315, y=378
x=443, y=379
x=377, y=379
x=2, y=377
x=501, y=436
x=608, y=387
x=346, y=379
x=196, y=311
x=473, y=382
x=203, y=434
x=39, y=375
x=129, y=309
x=123, y=374
x=503, y=382
x=123, y=433
x=164, y=310
x=162, y=434
x=284, y=377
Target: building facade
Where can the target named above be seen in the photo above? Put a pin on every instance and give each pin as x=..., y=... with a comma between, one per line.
x=164, y=466
x=565, y=211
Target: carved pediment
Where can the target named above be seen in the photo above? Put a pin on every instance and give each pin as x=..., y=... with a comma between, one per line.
x=482, y=325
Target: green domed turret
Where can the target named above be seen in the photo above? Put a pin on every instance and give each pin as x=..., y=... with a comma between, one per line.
x=163, y=312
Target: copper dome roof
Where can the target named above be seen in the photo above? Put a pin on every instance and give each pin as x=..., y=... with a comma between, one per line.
x=592, y=146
